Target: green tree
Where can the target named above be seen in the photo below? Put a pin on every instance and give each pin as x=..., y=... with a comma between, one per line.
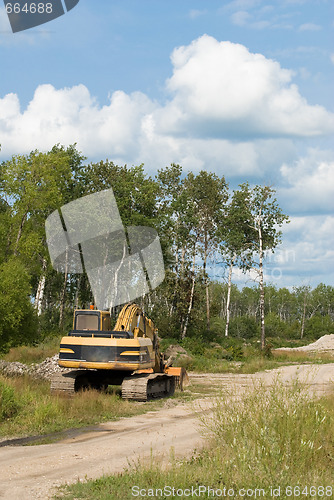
x=17, y=319
x=177, y=220
x=237, y=236
x=32, y=186
x=265, y=217
x=208, y=195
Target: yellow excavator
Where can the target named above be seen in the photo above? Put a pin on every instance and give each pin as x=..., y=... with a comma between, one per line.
x=127, y=355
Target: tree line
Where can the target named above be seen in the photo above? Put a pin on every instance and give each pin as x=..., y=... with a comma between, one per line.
x=196, y=216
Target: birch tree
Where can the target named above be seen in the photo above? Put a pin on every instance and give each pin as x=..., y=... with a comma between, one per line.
x=209, y=195
x=237, y=241
x=265, y=218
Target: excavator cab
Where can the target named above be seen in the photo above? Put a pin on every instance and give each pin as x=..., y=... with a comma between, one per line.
x=90, y=319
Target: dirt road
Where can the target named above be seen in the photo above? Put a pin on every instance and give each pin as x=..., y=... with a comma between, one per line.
x=32, y=472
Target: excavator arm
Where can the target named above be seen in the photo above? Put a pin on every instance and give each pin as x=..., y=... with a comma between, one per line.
x=133, y=320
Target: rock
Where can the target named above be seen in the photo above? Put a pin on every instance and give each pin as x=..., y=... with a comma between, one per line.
x=11, y=369
x=176, y=352
x=47, y=368
x=43, y=370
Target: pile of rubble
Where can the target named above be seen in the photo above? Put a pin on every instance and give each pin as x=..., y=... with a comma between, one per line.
x=43, y=370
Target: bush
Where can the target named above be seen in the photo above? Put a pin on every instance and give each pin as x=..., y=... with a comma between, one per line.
x=318, y=325
x=275, y=327
x=244, y=327
x=9, y=405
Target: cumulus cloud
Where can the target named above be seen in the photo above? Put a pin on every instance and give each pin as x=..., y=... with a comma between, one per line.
x=309, y=184
x=308, y=250
x=305, y=257
x=222, y=88
x=227, y=110
x=72, y=115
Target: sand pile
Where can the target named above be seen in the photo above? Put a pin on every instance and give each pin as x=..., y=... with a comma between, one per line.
x=324, y=344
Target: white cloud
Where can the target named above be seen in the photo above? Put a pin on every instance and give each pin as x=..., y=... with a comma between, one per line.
x=240, y=18
x=310, y=184
x=221, y=88
x=308, y=243
x=309, y=27
x=229, y=110
x=195, y=13
x=332, y=58
x=71, y=115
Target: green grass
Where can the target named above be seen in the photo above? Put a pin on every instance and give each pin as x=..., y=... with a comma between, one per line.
x=27, y=408
x=247, y=359
x=266, y=439
x=33, y=354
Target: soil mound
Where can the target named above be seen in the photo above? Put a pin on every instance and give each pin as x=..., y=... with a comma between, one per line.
x=324, y=344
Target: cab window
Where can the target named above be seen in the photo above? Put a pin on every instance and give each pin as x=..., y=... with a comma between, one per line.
x=106, y=324
x=87, y=322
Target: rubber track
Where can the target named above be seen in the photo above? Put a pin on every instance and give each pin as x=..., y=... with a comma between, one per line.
x=145, y=387
x=64, y=383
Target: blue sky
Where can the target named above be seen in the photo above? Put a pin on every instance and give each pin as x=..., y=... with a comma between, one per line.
x=242, y=88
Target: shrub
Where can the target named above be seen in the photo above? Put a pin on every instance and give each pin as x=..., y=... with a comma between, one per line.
x=9, y=405
x=275, y=327
x=319, y=325
x=244, y=327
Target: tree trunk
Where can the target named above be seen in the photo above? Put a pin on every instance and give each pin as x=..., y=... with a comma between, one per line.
x=303, y=318
x=76, y=300
x=63, y=294
x=228, y=299
x=40, y=291
x=174, y=298
x=206, y=284
x=19, y=234
x=184, y=331
x=263, y=334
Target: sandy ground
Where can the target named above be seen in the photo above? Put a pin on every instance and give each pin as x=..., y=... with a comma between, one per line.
x=32, y=472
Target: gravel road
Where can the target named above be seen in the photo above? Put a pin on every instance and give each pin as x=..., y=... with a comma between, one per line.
x=32, y=472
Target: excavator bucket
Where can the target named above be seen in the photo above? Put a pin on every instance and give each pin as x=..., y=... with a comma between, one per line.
x=181, y=376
